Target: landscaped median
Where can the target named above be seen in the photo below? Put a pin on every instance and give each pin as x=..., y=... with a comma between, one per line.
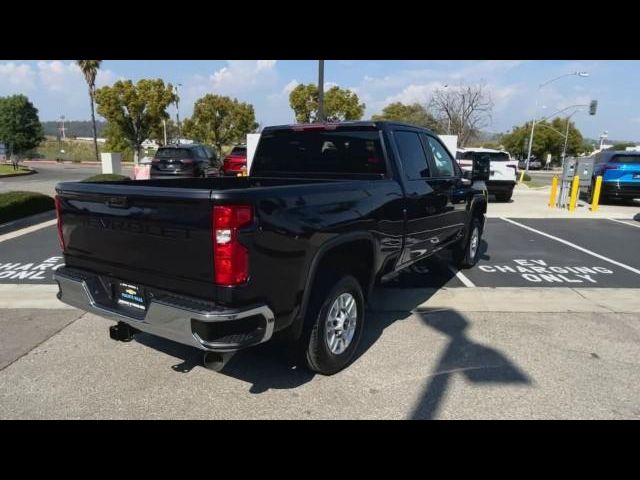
x=15, y=205
x=107, y=177
x=8, y=171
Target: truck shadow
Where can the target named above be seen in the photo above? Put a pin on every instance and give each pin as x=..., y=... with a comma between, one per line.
x=478, y=364
x=267, y=366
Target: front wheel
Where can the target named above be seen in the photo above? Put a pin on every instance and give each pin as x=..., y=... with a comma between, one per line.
x=338, y=316
x=466, y=255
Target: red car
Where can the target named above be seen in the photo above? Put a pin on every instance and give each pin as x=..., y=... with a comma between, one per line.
x=235, y=161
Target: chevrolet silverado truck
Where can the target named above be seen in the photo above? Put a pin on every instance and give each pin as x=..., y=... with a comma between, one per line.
x=293, y=250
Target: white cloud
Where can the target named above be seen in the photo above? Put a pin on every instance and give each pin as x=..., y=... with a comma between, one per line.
x=242, y=76
x=265, y=64
x=414, y=94
x=16, y=77
x=57, y=76
x=288, y=88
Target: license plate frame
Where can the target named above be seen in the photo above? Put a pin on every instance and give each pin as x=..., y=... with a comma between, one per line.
x=131, y=296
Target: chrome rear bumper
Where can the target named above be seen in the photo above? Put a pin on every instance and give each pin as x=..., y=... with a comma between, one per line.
x=185, y=320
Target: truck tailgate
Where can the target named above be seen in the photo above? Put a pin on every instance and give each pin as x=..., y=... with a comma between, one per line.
x=148, y=235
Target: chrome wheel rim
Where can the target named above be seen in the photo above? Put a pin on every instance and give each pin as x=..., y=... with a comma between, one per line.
x=475, y=240
x=341, y=323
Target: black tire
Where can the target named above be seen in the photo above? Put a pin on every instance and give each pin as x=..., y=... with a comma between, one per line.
x=504, y=197
x=317, y=355
x=464, y=256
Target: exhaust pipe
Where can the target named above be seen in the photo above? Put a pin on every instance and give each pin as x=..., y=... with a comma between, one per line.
x=216, y=361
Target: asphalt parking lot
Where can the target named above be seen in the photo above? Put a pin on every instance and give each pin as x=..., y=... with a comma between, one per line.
x=514, y=253
x=546, y=326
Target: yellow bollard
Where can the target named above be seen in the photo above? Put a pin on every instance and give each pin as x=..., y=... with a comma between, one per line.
x=595, y=195
x=521, y=176
x=575, y=187
x=554, y=191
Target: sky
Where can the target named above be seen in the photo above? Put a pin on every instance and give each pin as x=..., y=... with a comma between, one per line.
x=56, y=87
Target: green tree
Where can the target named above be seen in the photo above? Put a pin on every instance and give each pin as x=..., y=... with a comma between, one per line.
x=218, y=120
x=157, y=133
x=89, y=69
x=339, y=104
x=414, y=114
x=622, y=146
x=134, y=111
x=20, y=127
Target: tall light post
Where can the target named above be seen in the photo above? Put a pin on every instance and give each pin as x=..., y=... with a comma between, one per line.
x=533, y=124
x=178, y=110
x=320, y=116
x=448, y=118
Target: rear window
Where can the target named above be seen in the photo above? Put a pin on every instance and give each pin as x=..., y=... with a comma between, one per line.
x=239, y=151
x=626, y=159
x=345, y=151
x=173, y=153
x=493, y=156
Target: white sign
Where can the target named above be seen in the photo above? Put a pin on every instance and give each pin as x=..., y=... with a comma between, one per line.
x=29, y=271
x=451, y=142
x=252, y=144
x=538, y=271
x=111, y=163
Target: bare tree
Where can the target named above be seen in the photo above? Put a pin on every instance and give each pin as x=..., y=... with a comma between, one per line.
x=462, y=110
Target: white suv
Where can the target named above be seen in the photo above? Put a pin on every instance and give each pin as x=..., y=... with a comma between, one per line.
x=503, y=169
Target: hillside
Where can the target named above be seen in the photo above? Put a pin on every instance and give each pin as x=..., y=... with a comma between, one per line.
x=74, y=128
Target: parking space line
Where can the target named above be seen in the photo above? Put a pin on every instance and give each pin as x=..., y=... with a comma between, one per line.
x=625, y=223
x=573, y=245
x=462, y=277
x=24, y=231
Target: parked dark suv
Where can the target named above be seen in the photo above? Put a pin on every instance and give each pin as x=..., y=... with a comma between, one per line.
x=190, y=160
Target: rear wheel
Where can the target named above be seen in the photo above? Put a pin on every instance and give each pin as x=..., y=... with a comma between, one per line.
x=466, y=254
x=504, y=197
x=337, y=312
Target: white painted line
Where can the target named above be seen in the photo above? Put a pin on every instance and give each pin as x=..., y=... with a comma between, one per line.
x=573, y=245
x=462, y=277
x=24, y=231
x=637, y=225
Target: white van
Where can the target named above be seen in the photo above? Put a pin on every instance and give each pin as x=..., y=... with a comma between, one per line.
x=504, y=169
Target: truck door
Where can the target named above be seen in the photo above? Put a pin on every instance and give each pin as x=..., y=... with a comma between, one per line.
x=451, y=194
x=421, y=202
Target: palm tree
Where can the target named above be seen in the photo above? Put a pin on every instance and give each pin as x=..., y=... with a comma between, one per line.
x=89, y=69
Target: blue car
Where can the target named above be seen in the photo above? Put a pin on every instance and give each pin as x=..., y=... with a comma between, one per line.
x=620, y=171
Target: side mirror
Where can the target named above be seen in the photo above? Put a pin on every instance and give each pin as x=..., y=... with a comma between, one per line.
x=481, y=169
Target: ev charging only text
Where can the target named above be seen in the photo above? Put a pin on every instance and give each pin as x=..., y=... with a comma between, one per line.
x=539, y=271
x=29, y=271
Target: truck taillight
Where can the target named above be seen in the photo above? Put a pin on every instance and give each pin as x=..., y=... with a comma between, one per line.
x=59, y=219
x=230, y=257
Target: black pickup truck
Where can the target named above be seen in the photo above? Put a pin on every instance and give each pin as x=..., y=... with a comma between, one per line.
x=293, y=249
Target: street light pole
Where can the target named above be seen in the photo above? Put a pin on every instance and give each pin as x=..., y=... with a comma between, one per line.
x=178, y=111
x=566, y=138
x=533, y=125
x=320, y=116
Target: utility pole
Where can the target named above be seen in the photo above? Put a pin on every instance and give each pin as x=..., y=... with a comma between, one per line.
x=62, y=132
x=320, y=116
x=164, y=127
x=178, y=111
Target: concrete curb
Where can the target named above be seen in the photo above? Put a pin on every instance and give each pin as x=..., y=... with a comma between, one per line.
x=30, y=172
x=25, y=222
